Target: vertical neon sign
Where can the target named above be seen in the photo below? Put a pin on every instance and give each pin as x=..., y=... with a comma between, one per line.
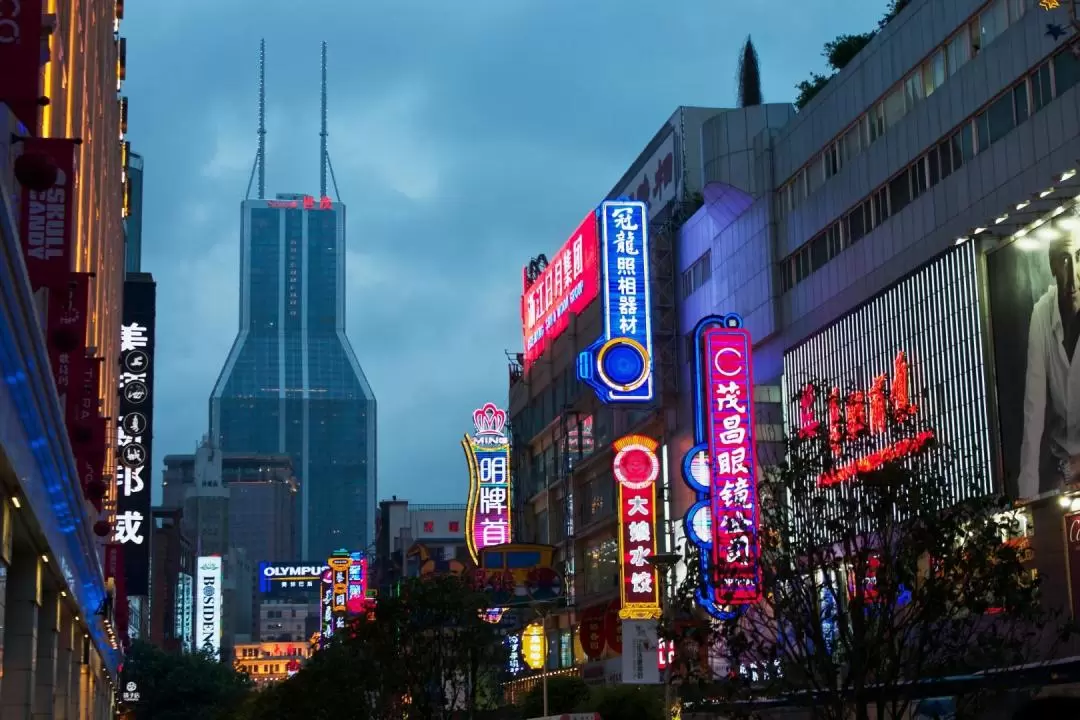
x=618, y=366
x=487, y=451
x=636, y=468
x=722, y=468
x=358, y=579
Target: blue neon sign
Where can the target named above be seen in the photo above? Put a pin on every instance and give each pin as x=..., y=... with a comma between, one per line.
x=618, y=366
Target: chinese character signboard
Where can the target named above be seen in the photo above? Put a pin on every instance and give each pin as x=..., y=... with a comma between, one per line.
x=618, y=366
x=721, y=468
x=487, y=516
x=534, y=646
x=209, y=604
x=339, y=569
x=135, y=432
x=356, y=598
x=636, y=469
x=326, y=608
x=567, y=285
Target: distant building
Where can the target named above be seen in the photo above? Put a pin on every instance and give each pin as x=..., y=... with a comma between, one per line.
x=172, y=583
x=268, y=662
x=401, y=528
x=285, y=621
x=133, y=219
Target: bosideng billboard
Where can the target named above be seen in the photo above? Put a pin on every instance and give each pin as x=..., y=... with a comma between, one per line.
x=208, y=605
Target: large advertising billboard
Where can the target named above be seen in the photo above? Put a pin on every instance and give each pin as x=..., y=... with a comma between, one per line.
x=915, y=351
x=1034, y=291
x=135, y=432
x=209, y=605
x=567, y=285
x=288, y=578
x=487, y=451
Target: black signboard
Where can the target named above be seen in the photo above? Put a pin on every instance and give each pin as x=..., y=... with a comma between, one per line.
x=135, y=431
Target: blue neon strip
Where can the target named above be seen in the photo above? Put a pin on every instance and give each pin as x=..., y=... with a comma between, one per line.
x=38, y=446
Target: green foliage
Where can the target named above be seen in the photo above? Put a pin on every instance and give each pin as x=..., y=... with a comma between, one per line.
x=883, y=579
x=626, y=702
x=565, y=694
x=841, y=51
x=427, y=653
x=183, y=687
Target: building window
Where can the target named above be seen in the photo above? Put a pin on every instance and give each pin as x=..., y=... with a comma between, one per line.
x=1066, y=71
x=1041, y=88
x=696, y=275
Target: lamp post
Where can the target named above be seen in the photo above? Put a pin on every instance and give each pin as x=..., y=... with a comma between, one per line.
x=543, y=609
x=663, y=562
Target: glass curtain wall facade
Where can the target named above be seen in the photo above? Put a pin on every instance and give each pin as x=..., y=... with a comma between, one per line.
x=291, y=383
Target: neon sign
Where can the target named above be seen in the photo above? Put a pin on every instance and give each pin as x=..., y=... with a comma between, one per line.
x=487, y=451
x=326, y=608
x=534, y=646
x=618, y=366
x=339, y=585
x=636, y=468
x=306, y=203
x=721, y=468
x=356, y=598
x=567, y=285
x=862, y=415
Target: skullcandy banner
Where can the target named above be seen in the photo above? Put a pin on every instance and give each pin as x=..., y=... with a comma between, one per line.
x=135, y=431
x=47, y=217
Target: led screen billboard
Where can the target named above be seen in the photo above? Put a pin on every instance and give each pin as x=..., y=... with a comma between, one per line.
x=915, y=349
x=1033, y=287
x=567, y=285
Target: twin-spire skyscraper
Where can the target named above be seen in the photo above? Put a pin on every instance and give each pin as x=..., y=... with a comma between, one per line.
x=291, y=383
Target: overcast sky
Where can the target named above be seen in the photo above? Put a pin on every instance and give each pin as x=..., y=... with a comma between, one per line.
x=467, y=137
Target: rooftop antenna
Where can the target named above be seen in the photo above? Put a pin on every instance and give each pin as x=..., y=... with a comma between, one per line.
x=323, y=156
x=260, y=153
x=324, y=153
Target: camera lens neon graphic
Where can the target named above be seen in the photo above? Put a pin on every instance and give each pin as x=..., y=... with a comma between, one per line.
x=623, y=364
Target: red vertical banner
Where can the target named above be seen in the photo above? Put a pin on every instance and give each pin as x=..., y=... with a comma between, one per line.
x=47, y=217
x=65, y=335
x=636, y=469
x=20, y=58
x=733, y=468
x=591, y=631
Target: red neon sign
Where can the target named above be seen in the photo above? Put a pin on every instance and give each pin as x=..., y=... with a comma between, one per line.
x=306, y=203
x=636, y=467
x=567, y=285
x=733, y=469
x=862, y=414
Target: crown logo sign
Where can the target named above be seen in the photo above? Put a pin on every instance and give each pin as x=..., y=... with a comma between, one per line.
x=490, y=422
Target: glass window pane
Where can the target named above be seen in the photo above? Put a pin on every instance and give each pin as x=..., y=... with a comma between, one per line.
x=958, y=51
x=993, y=21
x=982, y=131
x=1066, y=71
x=894, y=107
x=945, y=154
x=1020, y=101
x=899, y=193
x=856, y=224
x=1000, y=118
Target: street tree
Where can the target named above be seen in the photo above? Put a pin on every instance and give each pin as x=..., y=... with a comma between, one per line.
x=882, y=563
x=426, y=653
x=182, y=686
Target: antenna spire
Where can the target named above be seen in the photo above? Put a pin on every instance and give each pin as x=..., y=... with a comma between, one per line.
x=261, y=158
x=323, y=152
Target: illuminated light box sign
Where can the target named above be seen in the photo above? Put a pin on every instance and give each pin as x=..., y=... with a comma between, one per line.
x=636, y=468
x=487, y=451
x=284, y=577
x=326, y=607
x=534, y=646
x=858, y=416
x=356, y=599
x=619, y=365
x=339, y=584
x=566, y=286
x=208, y=579
x=722, y=468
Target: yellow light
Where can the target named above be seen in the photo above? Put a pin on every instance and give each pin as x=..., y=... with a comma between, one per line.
x=533, y=646
x=46, y=111
x=1049, y=4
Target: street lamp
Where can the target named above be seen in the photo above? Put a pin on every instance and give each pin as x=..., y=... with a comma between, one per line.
x=543, y=608
x=663, y=562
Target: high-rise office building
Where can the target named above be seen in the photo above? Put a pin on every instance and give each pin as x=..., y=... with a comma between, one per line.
x=291, y=384
x=133, y=204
